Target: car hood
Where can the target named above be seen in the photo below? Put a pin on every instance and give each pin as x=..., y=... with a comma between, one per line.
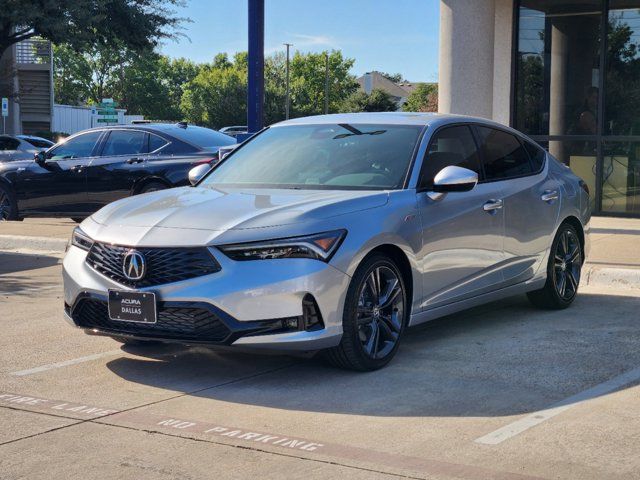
x=221, y=209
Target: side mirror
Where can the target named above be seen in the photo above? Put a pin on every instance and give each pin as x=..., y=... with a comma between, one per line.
x=196, y=173
x=452, y=179
x=40, y=157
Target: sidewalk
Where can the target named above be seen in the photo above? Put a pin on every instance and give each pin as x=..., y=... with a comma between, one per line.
x=615, y=242
x=39, y=227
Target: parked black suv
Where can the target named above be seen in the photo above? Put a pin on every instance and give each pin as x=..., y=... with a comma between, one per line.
x=95, y=167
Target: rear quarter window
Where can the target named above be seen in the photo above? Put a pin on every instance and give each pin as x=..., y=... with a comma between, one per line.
x=536, y=154
x=203, y=138
x=503, y=155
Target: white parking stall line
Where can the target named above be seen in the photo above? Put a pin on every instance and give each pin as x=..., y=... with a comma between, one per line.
x=66, y=363
x=536, y=418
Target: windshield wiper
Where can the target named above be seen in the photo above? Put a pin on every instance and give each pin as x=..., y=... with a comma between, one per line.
x=355, y=131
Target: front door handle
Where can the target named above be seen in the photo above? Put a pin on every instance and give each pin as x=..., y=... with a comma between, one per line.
x=549, y=196
x=491, y=206
x=135, y=160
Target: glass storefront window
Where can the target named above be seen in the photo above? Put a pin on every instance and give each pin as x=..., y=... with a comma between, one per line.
x=621, y=177
x=580, y=156
x=558, y=67
x=622, y=80
x=563, y=57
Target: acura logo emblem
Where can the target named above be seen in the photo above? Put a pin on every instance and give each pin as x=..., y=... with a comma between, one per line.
x=133, y=265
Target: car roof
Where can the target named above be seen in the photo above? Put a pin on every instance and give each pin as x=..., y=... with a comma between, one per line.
x=151, y=127
x=33, y=137
x=390, y=118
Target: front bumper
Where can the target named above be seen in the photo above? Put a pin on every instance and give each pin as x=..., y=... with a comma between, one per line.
x=249, y=298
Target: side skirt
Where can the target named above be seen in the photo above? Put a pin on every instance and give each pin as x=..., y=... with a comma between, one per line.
x=437, y=312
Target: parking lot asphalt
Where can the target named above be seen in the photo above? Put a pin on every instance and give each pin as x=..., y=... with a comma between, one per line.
x=503, y=391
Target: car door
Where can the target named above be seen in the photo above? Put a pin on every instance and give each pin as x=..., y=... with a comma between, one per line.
x=531, y=200
x=58, y=185
x=120, y=163
x=462, y=231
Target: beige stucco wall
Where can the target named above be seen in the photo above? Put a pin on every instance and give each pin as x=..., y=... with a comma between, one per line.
x=475, y=57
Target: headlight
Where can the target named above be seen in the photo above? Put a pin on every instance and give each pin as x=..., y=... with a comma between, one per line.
x=81, y=240
x=319, y=247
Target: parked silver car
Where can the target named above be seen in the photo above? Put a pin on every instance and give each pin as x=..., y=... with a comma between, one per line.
x=21, y=147
x=334, y=233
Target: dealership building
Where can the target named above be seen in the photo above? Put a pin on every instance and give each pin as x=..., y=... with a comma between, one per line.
x=565, y=72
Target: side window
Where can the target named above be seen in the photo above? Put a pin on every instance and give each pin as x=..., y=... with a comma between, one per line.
x=503, y=155
x=536, y=154
x=76, y=147
x=450, y=146
x=125, y=142
x=156, y=142
x=8, y=143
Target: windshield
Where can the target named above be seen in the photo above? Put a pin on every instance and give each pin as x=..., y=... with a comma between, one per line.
x=340, y=156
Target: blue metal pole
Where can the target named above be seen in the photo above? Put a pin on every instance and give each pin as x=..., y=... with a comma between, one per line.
x=255, y=93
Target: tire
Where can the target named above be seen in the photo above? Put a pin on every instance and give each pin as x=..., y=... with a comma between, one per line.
x=372, y=326
x=563, y=271
x=152, y=187
x=8, y=207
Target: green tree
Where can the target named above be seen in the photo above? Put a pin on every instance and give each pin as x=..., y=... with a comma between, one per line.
x=86, y=78
x=137, y=24
x=377, y=101
x=275, y=88
x=424, y=98
x=308, y=82
x=152, y=85
x=146, y=84
x=217, y=96
x=395, y=78
x=72, y=76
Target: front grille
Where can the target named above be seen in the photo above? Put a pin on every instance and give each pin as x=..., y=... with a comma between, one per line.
x=163, y=265
x=179, y=323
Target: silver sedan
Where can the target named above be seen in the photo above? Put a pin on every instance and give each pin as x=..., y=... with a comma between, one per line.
x=335, y=234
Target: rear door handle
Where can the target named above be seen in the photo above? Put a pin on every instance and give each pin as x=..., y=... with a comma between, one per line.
x=492, y=205
x=77, y=168
x=549, y=196
x=135, y=160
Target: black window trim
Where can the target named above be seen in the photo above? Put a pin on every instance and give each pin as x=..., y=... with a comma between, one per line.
x=469, y=125
x=517, y=135
x=535, y=145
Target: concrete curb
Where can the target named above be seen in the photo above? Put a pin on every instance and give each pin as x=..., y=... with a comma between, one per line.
x=20, y=243
x=613, y=277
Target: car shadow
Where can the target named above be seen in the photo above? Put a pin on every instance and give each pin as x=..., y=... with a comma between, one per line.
x=16, y=277
x=18, y=262
x=505, y=358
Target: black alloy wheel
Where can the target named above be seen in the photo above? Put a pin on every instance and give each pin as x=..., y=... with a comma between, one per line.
x=567, y=265
x=7, y=206
x=375, y=316
x=380, y=312
x=563, y=271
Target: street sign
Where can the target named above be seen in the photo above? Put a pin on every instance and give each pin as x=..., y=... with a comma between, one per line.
x=106, y=111
x=5, y=107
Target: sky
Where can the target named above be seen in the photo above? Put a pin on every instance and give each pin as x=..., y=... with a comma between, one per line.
x=395, y=36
